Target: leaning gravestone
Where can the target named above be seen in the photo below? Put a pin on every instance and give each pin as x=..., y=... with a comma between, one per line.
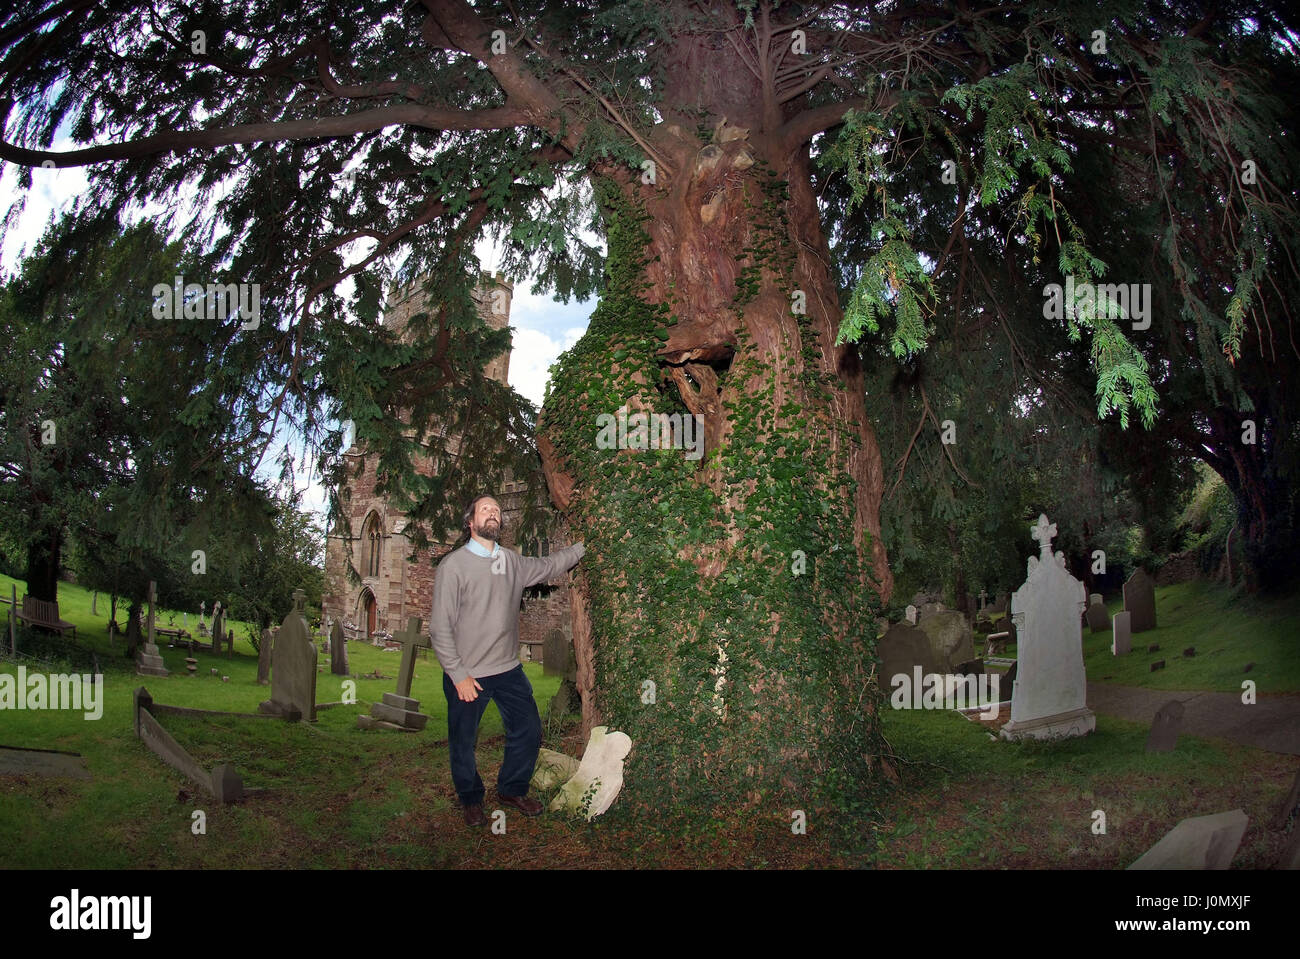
x=338, y=651
x=1049, y=697
x=264, y=658
x=1140, y=601
x=903, y=648
x=596, y=784
x=1166, y=727
x=1097, y=615
x=1202, y=842
x=293, y=668
x=1121, y=641
x=950, y=637
x=398, y=710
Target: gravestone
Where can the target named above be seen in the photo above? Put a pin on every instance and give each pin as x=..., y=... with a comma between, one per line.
x=264, y=658
x=902, y=648
x=1202, y=842
x=599, y=778
x=1097, y=615
x=1000, y=604
x=552, y=769
x=218, y=626
x=557, y=656
x=911, y=615
x=94, y=604
x=398, y=710
x=148, y=661
x=984, y=600
x=929, y=609
x=1121, y=641
x=1166, y=727
x=1050, y=698
x=985, y=625
x=338, y=651
x=293, y=668
x=950, y=637
x=1140, y=601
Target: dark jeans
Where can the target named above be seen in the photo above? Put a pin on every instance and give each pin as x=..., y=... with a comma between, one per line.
x=513, y=694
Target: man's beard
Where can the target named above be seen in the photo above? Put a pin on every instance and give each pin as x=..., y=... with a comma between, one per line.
x=491, y=529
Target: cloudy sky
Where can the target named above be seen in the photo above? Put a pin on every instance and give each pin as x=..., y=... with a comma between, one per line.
x=543, y=328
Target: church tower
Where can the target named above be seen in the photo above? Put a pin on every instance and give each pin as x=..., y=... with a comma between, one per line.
x=391, y=588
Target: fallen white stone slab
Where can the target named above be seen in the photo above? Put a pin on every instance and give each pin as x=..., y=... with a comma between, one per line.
x=596, y=784
x=1201, y=842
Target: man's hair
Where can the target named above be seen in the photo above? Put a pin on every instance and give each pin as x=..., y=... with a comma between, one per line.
x=469, y=514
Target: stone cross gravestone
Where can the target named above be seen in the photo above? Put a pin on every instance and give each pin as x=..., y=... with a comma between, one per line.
x=338, y=651
x=398, y=710
x=1140, y=601
x=1049, y=696
x=1121, y=641
x=293, y=667
x=264, y=658
x=1166, y=727
x=148, y=661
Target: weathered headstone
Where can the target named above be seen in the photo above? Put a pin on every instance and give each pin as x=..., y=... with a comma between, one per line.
x=1121, y=640
x=148, y=661
x=293, y=668
x=950, y=637
x=1140, y=601
x=599, y=778
x=902, y=648
x=1166, y=727
x=1201, y=842
x=1158, y=664
x=557, y=656
x=338, y=651
x=911, y=615
x=552, y=769
x=399, y=710
x=1189, y=652
x=984, y=600
x=264, y=658
x=1097, y=615
x=1050, y=698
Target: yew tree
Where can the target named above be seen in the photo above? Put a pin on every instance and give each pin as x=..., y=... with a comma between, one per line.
x=662, y=155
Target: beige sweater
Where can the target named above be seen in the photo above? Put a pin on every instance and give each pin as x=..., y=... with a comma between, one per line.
x=474, y=625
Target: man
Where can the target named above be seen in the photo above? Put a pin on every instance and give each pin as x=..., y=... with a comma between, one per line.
x=475, y=632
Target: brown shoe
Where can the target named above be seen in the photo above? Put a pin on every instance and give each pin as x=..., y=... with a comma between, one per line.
x=525, y=804
x=474, y=815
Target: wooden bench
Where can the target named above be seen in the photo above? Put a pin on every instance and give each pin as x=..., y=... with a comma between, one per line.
x=43, y=613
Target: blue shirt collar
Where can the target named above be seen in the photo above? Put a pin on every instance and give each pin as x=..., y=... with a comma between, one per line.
x=474, y=547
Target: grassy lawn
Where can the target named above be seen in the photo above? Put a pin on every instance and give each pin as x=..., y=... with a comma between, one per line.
x=340, y=797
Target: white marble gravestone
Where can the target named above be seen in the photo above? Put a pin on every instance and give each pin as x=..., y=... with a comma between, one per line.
x=1049, y=697
x=596, y=784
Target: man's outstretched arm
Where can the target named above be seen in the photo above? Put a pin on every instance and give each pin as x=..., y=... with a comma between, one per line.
x=537, y=569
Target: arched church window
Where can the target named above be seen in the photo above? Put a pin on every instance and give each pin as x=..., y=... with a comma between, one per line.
x=371, y=545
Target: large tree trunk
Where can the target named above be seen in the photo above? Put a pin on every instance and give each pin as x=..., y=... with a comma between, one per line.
x=725, y=613
x=43, y=566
